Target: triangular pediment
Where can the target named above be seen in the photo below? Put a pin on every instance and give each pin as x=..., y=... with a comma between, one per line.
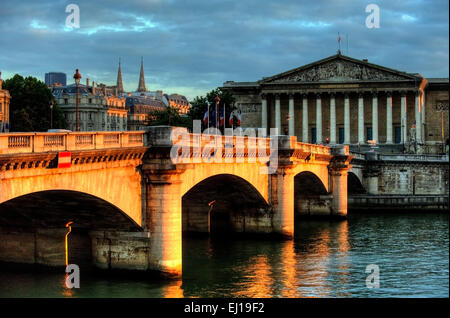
x=339, y=68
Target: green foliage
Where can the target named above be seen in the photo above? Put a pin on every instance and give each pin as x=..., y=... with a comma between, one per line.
x=29, y=108
x=199, y=105
x=170, y=117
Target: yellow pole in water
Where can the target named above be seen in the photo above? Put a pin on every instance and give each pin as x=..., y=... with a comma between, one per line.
x=67, y=251
x=211, y=205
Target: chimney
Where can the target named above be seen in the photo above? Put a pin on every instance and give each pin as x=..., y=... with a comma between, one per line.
x=1, y=81
x=93, y=87
x=365, y=60
x=87, y=81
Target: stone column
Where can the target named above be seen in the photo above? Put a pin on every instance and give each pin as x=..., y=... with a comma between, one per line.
x=278, y=114
x=403, y=112
x=338, y=171
x=264, y=112
x=162, y=213
x=332, y=119
x=375, y=117
x=372, y=184
x=281, y=189
x=283, y=203
x=305, y=118
x=318, y=119
x=291, y=115
x=361, y=119
x=164, y=220
x=346, y=120
x=418, y=118
x=389, y=118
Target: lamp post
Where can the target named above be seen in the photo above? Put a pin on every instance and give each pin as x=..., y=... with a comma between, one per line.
x=51, y=114
x=77, y=78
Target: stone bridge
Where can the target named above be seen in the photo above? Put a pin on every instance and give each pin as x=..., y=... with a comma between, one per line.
x=131, y=195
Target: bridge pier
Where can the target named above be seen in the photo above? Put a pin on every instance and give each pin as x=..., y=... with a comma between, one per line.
x=163, y=203
x=282, y=187
x=338, y=171
x=282, y=201
x=164, y=220
x=113, y=250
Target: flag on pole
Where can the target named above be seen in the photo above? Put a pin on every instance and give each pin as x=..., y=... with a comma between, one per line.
x=339, y=43
x=221, y=118
x=213, y=117
x=239, y=117
x=230, y=119
x=206, y=117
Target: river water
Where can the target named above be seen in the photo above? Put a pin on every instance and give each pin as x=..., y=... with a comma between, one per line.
x=326, y=259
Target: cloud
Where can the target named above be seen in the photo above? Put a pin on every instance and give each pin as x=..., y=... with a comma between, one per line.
x=191, y=47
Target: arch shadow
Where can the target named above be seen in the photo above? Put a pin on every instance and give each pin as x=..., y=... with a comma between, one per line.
x=354, y=185
x=54, y=208
x=310, y=195
x=224, y=203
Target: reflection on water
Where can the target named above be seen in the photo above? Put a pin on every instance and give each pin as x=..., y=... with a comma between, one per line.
x=326, y=259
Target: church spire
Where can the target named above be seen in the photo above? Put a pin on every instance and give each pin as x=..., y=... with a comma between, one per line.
x=141, y=87
x=119, y=84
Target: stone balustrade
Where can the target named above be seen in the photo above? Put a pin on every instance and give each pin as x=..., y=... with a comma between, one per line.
x=15, y=143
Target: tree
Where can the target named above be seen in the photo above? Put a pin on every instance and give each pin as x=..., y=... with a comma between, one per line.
x=170, y=117
x=199, y=105
x=30, y=105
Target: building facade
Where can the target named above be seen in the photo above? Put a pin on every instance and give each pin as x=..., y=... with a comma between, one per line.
x=139, y=108
x=342, y=100
x=99, y=108
x=55, y=78
x=179, y=102
x=5, y=99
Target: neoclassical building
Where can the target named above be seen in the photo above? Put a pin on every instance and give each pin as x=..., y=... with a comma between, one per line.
x=100, y=109
x=342, y=100
x=4, y=107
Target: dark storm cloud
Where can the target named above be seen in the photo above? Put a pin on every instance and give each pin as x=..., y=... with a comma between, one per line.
x=194, y=46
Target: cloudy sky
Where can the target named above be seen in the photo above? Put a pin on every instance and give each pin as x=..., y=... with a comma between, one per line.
x=191, y=47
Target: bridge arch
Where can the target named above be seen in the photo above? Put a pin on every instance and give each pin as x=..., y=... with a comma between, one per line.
x=317, y=172
x=54, y=208
x=118, y=185
x=354, y=184
x=310, y=195
x=33, y=228
x=245, y=171
x=224, y=203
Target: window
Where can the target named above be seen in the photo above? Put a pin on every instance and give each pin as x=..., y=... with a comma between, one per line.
x=313, y=135
x=90, y=100
x=66, y=101
x=341, y=135
x=397, y=134
x=369, y=133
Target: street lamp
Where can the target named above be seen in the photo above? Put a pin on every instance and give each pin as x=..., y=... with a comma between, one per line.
x=77, y=78
x=51, y=114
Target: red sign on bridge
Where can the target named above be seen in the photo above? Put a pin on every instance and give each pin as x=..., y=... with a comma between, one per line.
x=64, y=159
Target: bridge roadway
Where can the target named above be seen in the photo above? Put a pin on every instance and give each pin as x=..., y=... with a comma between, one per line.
x=131, y=194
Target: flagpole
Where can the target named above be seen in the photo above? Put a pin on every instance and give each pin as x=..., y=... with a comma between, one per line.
x=224, y=119
x=339, y=42
x=347, y=45
x=207, y=105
